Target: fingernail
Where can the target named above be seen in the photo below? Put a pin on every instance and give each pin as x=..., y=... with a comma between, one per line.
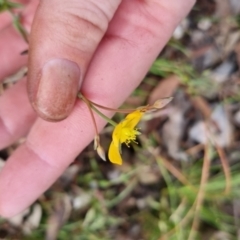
x=57, y=89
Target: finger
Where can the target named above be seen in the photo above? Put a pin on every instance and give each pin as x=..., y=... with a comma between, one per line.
x=16, y=114
x=52, y=146
x=6, y=18
x=62, y=43
x=12, y=44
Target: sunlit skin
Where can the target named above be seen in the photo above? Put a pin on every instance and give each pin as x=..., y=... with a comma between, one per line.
x=124, y=132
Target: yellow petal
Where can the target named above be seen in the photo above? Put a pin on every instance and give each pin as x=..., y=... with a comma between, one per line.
x=132, y=119
x=117, y=132
x=114, y=155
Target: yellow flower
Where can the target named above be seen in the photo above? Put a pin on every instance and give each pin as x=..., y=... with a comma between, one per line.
x=126, y=132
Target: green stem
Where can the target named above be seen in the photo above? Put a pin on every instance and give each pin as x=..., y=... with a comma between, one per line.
x=129, y=188
x=104, y=116
x=97, y=111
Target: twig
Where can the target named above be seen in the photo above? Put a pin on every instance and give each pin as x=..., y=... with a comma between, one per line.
x=226, y=169
x=201, y=193
x=204, y=108
x=174, y=171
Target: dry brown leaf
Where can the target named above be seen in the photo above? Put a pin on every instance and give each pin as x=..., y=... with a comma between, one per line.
x=201, y=104
x=165, y=88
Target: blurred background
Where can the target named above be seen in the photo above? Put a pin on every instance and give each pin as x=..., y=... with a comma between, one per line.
x=182, y=180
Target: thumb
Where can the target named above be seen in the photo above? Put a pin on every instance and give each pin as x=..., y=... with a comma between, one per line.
x=63, y=39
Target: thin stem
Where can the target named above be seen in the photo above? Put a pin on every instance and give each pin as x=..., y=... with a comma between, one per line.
x=97, y=111
x=226, y=169
x=112, y=109
x=91, y=113
x=104, y=116
x=175, y=172
x=127, y=110
x=122, y=195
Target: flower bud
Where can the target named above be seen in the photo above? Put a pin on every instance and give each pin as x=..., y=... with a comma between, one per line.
x=101, y=152
x=161, y=103
x=96, y=142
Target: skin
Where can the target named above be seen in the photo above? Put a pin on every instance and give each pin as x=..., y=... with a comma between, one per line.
x=110, y=60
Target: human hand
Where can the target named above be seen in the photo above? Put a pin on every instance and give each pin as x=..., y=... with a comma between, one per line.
x=108, y=61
